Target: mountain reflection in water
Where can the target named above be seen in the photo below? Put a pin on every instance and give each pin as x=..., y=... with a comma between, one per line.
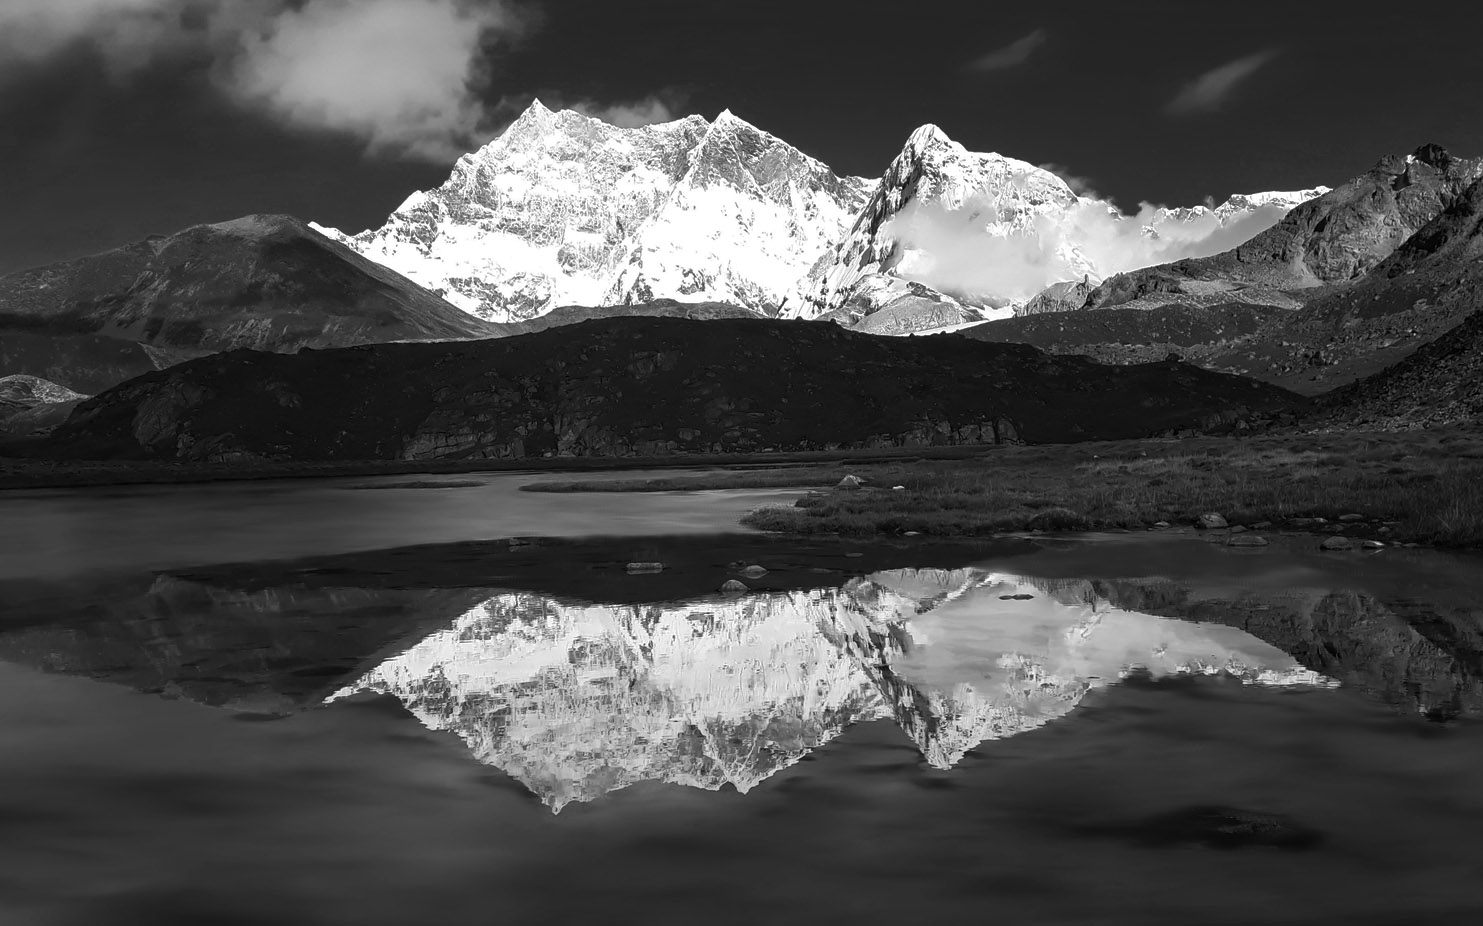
x=578, y=699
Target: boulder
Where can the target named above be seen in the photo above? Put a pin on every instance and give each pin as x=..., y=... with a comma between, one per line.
x=1161, y=525
x=1262, y=526
x=1210, y=521
x=1246, y=540
x=1351, y=517
x=1335, y=544
x=734, y=587
x=850, y=482
x=1373, y=545
x=754, y=572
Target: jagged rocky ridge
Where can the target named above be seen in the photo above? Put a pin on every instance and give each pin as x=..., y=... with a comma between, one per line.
x=577, y=699
x=642, y=386
x=1334, y=238
x=260, y=282
x=565, y=209
x=1345, y=332
x=29, y=404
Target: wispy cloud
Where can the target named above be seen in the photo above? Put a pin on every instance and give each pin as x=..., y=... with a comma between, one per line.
x=1012, y=55
x=1080, y=184
x=1214, y=88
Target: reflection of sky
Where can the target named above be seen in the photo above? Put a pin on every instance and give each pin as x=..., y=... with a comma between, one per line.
x=579, y=699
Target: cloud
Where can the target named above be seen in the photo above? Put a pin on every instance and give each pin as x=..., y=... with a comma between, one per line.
x=964, y=251
x=409, y=78
x=1012, y=55
x=647, y=111
x=1213, y=88
x=404, y=75
x=1079, y=184
x=126, y=34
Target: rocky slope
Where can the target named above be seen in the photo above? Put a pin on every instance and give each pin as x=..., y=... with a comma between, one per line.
x=1440, y=384
x=1332, y=239
x=565, y=209
x=29, y=404
x=260, y=282
x=1344, y=333
x=637, y=386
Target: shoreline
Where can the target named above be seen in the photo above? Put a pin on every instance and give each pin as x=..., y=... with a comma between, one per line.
x=18, y=473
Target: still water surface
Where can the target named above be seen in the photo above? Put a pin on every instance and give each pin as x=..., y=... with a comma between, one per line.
x=201, y=728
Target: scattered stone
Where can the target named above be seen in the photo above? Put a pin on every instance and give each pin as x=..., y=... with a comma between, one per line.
x=1246, y=540
x=734, y=587
x=850, y=482
x=754, y=572
x=634, y=568
x=1351, y=517
x=1262, y=526
x=1210, y=521
x=1334, y=544
x=898, y=488
x=1238, y=529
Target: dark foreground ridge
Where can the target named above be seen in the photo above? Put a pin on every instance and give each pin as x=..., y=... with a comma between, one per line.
x=633, y=386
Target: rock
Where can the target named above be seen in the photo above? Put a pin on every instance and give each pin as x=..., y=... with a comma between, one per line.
x=1307, y=522
x=897, y=488
x=1161, y=525
x=1333, y=544
x=1238, y=529
x=1351, y=517
x=854, y=555
x=1262, y=526
x=635, y=568
x=754, y=572
x=1246, y=540
x=850, y=482
x=1210, y=521
x=1373, y=545
x=734, y=587
x=911, y=533
x=1019, y=597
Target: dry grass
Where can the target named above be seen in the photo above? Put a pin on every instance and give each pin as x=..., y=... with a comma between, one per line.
x=1425, y=487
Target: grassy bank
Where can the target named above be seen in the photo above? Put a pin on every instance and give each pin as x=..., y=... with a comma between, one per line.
x=1423, y=487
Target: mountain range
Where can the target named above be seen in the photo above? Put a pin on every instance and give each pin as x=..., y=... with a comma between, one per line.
x=564, y=218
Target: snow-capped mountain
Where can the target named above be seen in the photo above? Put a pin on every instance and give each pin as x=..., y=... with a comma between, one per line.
x=577, y=699
x=985, y=232
x=565, y=209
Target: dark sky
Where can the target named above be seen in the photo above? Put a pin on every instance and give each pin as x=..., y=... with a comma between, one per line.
x=95, y=154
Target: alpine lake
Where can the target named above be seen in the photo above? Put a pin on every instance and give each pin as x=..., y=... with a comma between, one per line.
x=390, y=701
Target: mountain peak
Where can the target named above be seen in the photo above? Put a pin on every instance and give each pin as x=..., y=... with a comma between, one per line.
x=928, y=136
x=1433, y=154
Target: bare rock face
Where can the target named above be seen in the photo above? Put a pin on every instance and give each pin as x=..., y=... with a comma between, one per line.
x=1059, y=297
x=1332, y=239
x=642, y=387
x=262, y=282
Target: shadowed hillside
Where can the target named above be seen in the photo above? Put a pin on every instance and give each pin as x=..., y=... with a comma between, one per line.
x=627, y=386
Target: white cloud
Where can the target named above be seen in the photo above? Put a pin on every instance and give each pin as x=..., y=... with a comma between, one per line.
x=1213, y=88
x=404, y=75
x=951, y=250
x=410, y=78
x=127, y=34
x=647, y=111
x=1012, y=55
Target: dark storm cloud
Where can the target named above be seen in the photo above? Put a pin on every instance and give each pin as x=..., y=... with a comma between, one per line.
x=1213, y=88
x=1012, y=55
